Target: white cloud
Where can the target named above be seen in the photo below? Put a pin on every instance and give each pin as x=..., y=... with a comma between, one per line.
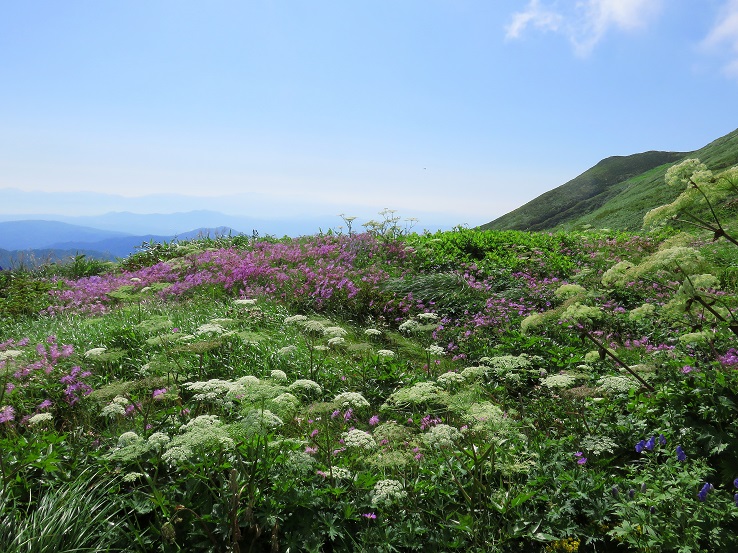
x=533, y=15
x=723, y=37
x=586, y=22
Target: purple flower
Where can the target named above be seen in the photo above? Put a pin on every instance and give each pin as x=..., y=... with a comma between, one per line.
x=735, y=482
x=156, y=394
x=735, y=498
x=631, y=493
x=702, y=495
x=650, y=443
x=374, y=421
x=7, y=413
x=615, y=491
x=371, y=516
x=640, y=445
x=581, y=459
x=45, y=404
x=681, y=456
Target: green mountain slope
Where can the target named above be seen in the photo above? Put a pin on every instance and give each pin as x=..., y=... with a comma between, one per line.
x=615, y=193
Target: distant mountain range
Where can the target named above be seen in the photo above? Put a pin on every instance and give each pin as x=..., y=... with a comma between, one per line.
x=33, y=242
x=616, y=193
x=127, y=223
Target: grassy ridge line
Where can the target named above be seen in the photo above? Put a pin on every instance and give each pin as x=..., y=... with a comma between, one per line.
x=615, y=193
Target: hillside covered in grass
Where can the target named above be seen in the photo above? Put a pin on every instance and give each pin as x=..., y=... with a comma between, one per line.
x=459, y=391
x=616, y=193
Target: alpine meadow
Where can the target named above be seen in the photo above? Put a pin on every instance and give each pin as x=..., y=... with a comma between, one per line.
x=571, y=388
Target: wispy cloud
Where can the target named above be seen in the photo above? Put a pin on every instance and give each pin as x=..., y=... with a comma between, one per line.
x=584, y=23
x=723, y=37
x=535, y=15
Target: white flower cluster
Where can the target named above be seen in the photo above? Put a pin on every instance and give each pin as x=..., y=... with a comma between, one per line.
x=158, y=441
x=674, y=261
x=279, y=376
x=10, y=354
x=358, y=439
x=244, y=301
x=471, y=374
x=215, y=390
x=597, y=445
x=385, y=353
x=336, y=341
x=562, y=380
x=341, y=473
x=295, y=319
x=532, y=321
x=286, y=399
x=569, y=290
x=486, y=414
x=372, y=332
x=129, y=438
x=209, y=329
x=387, y=492
x=696, y=338
x=449, y=379
x=115, y=407
x=305, y=386
x=40, y=418
x=581, y=314
x=314, y=327
x=418, y=393
x=441, y=436
x=261, y=422
x=95, y=352
x=409, y=326
x=351, y=399
x=287, y=350
x=644, y=312
x=428, y=317
x=435, y=350
x=616, y=384
x=200, y=435
x=334, y=331
x=507, y=362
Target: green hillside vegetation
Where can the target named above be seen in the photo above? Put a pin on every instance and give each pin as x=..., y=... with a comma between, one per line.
x=616, y=193
x=382, y=391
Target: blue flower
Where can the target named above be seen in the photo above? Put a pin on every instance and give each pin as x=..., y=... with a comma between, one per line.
x=681, y=456
x=631, y=493
x=650, y=443
x=640, y=445
x=702, y=495
x=615, y=491
x=735, y=482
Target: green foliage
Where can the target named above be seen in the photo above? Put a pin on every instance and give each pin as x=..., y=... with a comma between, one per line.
x=22, y=294
x=413, y=416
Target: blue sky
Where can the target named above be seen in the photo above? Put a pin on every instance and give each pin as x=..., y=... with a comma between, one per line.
x=456, y=111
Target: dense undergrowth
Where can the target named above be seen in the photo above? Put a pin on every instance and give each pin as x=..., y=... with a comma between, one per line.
x=466, y=390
